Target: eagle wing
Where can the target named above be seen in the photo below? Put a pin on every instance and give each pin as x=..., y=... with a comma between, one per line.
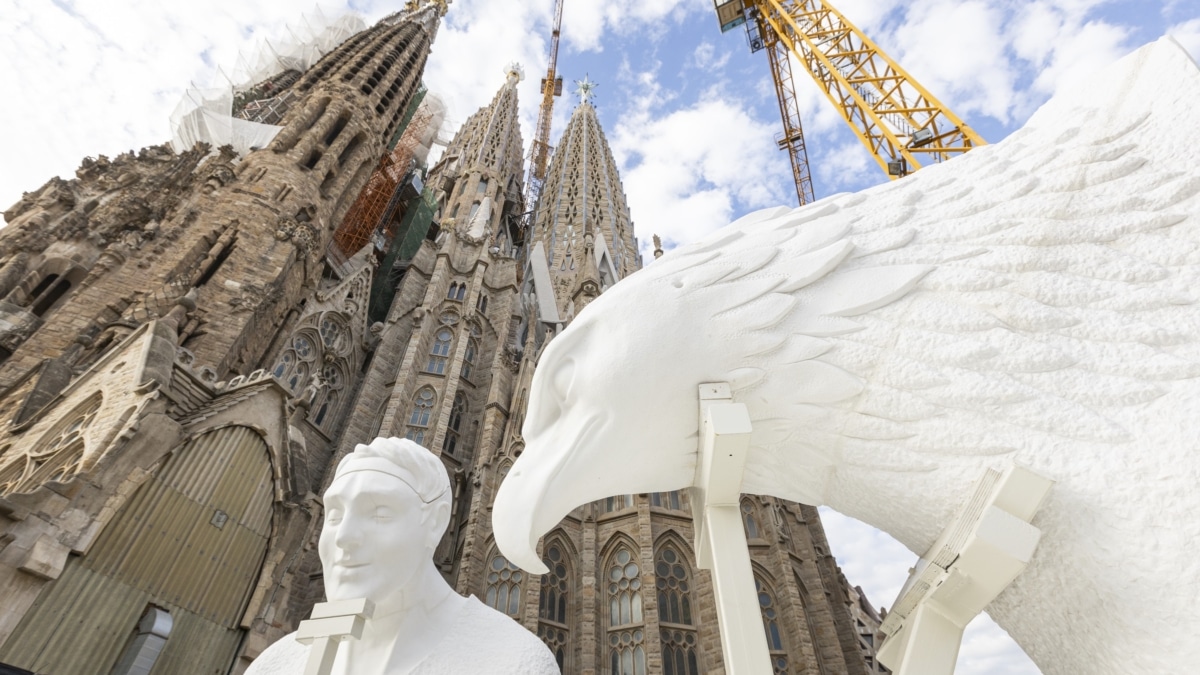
x=1036, y=292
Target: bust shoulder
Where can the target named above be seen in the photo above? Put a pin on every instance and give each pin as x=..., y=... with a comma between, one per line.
x=284, y=657
x=488, y=641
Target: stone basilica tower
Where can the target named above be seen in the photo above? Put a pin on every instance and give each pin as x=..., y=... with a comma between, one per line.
x=624, y=595
x=178, y=351
x=185, y=353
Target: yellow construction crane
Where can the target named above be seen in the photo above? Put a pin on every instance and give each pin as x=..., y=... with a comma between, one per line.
x=539, y=151
x=901, y=124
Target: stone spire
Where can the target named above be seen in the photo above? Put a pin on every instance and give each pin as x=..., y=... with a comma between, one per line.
x=482, y=165
x=583, y=195
x=587, y=279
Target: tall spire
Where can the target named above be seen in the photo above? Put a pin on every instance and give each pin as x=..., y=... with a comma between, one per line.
x=583, y=196
x=482, y=165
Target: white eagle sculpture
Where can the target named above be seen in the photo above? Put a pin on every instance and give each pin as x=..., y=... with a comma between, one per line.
x=1032, y=301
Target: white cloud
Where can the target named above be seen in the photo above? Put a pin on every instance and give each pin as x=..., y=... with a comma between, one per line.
x=1083, y=49
x=846, y=164
x=968, y=70
x=687, y=170
x=586, y=23
x=706, y=57
x=1188, y=35
x=97, y=77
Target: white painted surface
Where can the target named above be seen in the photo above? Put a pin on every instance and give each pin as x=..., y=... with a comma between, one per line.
x=724, y=437
x=385, y=511
x=977, y=556
x=1032, y=301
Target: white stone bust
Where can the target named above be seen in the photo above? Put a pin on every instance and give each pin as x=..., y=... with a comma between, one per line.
x=385, y=511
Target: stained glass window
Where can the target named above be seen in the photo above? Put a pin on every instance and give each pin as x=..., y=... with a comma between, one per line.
x=770, y=617
x=750, y=520
x=469, y=359
x=55, y=457
x=418, y=421
x=504, y=585
x=453, y=433
x=553, y=610
x=440, y=351
x=678, y=632
x=626, y=639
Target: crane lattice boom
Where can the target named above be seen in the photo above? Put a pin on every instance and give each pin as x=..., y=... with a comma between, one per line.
x=539, y=152
x=901, y=124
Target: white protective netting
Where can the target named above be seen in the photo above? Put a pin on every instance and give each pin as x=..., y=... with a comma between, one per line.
x=205, y=114
x=426, y=135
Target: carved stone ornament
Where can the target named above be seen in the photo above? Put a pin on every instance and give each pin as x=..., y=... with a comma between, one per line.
x=303, y=234
x=253, y=296
x=220, y=176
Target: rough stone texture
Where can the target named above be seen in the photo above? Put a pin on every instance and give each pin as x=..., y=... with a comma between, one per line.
x=154, y=298
x=189, y=293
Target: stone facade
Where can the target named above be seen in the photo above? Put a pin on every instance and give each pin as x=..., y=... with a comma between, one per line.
x=183, y=360
x=177, y=357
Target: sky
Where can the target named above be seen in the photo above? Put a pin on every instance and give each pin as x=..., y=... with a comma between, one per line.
x=690, y=113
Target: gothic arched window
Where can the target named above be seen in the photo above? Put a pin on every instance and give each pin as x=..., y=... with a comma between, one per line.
x=296, y=362
x=453, y=431
x=461, y=293
x=770, y=617
x=750, y=520
x=469, y=358
x=418, y=421
x=333, y=334
x=626, y=636
x=56, y=456
x=452, y=294
x=481, y=304
x=440, y=351
x=503, y=585
x=678, y=628
x=326, y=402
x=554, y=606
x=55, y=278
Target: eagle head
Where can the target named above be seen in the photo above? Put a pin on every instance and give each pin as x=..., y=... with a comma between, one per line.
x=594, y=427
x=613, y=404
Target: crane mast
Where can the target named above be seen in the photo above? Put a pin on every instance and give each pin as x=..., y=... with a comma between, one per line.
x=539, y=152
x=901, y=124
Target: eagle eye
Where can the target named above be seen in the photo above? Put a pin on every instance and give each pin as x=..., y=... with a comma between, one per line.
x=562, y=379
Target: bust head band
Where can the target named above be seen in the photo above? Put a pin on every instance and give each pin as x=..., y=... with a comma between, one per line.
x=354, y=462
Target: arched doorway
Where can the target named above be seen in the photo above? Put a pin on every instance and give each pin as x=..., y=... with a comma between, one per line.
x=190, y=542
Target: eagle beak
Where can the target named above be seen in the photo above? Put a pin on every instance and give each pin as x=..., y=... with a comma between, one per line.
x=513, y=520
x=548, y=480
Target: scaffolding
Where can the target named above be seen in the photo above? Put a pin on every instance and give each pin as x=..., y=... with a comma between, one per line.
x=373, y=210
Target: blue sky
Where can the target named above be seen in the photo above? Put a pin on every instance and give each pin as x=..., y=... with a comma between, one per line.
x=690, y=113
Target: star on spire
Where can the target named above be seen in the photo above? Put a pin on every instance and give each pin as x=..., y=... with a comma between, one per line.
x=585, y=88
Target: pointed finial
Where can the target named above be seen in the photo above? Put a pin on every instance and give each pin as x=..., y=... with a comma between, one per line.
x=658, y=250
x=515, y=72
x=585, y=89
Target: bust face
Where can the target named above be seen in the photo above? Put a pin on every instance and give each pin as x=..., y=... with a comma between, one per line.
x=375, y=536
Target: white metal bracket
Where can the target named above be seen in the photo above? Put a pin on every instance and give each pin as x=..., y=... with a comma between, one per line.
x=977, y=556
x=720, y=537
x=332, y=623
